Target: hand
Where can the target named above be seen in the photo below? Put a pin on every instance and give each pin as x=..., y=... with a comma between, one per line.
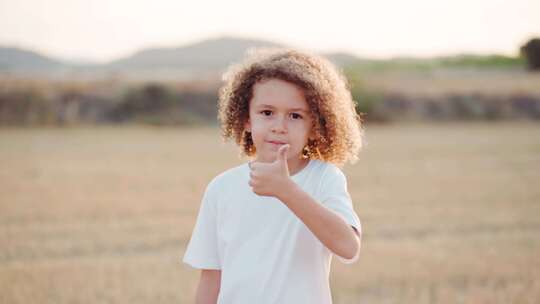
x=268, y=179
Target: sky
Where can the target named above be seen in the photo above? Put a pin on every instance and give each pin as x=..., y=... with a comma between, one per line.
x=100, y=30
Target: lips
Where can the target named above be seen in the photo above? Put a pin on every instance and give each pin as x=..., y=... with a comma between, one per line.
x=276, y=142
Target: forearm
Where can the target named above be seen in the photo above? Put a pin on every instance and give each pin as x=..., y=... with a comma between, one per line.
x=328, y=226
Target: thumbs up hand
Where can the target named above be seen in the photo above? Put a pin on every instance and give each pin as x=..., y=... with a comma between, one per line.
x=268, y=179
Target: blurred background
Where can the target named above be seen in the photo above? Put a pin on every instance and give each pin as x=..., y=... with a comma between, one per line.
x=109, y=136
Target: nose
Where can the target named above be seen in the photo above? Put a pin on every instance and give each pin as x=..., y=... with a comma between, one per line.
x=280, y=125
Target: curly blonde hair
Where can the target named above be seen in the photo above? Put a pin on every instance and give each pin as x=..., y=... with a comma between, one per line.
x=336, y=125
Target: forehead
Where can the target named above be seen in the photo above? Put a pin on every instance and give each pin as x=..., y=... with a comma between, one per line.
x=278, y=93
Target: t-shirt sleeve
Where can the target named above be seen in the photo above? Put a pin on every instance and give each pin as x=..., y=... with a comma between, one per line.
x=336, y=197
x=202, y=250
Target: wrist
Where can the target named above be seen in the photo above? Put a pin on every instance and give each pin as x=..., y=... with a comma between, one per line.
x=287, y=190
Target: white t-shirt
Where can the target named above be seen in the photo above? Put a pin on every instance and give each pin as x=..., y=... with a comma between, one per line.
x=265, y=252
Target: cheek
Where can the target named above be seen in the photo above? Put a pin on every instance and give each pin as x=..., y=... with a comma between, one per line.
x=302, y=129
x=257, y=130
x=300, y=139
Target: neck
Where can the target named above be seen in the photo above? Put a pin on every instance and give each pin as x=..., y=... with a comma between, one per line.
x=296, y=165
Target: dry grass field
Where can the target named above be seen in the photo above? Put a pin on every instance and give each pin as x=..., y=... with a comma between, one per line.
x=450, y=213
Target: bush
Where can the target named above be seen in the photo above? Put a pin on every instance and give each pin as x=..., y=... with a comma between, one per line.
x=365, y=100
x=531, y=52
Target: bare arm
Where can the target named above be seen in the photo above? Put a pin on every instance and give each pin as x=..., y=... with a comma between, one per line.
x=328, y=226
x=272, y=179
x=208, y=289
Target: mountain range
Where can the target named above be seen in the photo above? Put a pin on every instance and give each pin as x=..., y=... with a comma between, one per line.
x=207, y=57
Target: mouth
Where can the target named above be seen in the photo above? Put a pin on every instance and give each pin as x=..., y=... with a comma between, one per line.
x=276, y=142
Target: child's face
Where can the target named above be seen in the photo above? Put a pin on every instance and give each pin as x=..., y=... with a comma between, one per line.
x=278, y=114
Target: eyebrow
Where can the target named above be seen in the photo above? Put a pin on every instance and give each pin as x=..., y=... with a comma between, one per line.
x=272, y=107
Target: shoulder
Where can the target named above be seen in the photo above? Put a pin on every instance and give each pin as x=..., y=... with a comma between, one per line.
x=331, y=180
x=328, y=171
x=228, y=178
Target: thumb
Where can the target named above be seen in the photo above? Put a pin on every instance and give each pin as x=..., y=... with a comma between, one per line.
x=282, y=153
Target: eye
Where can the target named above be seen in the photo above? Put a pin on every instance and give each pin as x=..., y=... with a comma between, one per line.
x=266, y=112
x=296, y=116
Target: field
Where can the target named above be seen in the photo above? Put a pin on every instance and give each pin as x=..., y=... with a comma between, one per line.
x=450, y=213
